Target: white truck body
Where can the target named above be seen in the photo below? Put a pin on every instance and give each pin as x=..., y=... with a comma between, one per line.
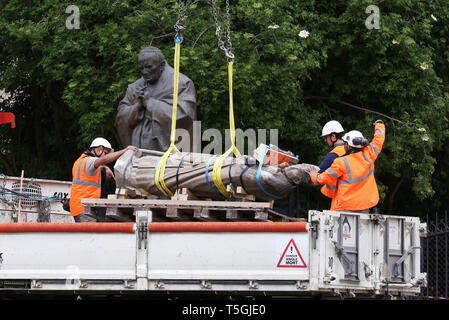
x=332, y=254
x=203, y=247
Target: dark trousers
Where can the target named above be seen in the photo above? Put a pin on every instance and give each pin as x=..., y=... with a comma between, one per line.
x=98, y=215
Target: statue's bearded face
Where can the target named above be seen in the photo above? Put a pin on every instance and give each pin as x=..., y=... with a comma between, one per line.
x=151, y=67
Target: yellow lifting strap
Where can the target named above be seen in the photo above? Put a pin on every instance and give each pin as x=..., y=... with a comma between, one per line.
x=233, y=149
x=160, y=169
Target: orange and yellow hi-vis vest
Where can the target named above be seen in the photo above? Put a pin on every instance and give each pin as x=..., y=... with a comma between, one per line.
x=83, y=185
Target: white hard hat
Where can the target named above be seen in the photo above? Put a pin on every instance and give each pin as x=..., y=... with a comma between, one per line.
x=355, y=139
x=332, y=126
x=97, y=142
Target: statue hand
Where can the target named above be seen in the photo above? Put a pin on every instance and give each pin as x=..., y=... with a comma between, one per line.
x=141, y=95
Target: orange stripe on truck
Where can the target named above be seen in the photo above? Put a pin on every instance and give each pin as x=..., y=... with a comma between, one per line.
x=128, y=227
x=90, y=227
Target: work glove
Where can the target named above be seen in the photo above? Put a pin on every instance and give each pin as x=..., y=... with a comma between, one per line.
x=311, y=169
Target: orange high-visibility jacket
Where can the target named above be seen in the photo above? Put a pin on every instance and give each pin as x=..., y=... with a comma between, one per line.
x=353, y=175
x=83, y=185
x=331, y=190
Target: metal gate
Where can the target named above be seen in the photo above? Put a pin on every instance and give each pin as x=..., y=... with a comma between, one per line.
x=435, y=257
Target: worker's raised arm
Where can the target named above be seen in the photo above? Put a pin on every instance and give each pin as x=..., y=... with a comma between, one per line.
x=375, y=146
x=110, y=157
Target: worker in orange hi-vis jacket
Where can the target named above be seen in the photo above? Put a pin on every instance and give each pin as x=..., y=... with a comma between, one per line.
x=86, y=173
x=353, y=174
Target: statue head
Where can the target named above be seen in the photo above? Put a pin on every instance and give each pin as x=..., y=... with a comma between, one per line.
x=151, y=64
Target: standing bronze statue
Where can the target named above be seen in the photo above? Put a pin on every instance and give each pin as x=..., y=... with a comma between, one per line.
x=144, y=114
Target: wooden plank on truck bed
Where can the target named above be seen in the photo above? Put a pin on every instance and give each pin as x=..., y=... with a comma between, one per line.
x=189, y=210
x=177, y=203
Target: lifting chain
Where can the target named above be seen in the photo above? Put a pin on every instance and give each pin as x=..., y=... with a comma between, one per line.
x=179, y=28
x=221, y=45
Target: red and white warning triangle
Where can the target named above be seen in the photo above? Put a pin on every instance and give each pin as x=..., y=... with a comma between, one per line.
x=291, y=258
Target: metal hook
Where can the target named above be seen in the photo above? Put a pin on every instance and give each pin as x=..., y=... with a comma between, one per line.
x=229, y=54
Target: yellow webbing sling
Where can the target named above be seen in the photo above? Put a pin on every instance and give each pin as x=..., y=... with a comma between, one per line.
x=233, y=149
x=160, y=169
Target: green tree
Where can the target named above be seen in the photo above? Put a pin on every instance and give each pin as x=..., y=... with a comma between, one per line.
x=297, y=65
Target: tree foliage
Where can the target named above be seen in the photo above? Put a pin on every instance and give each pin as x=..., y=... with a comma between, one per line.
x=65, y=84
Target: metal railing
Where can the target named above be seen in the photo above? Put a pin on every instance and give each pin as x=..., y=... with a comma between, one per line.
x=435, y=257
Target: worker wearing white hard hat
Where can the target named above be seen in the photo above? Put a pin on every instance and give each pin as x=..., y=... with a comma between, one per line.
x=332, y=132
x=355, y=141
x=86, y=174
x=100, y=142
x=330, y=127
x=353, y=173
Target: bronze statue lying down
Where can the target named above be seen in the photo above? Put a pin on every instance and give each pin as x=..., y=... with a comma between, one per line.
x=135, y=174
